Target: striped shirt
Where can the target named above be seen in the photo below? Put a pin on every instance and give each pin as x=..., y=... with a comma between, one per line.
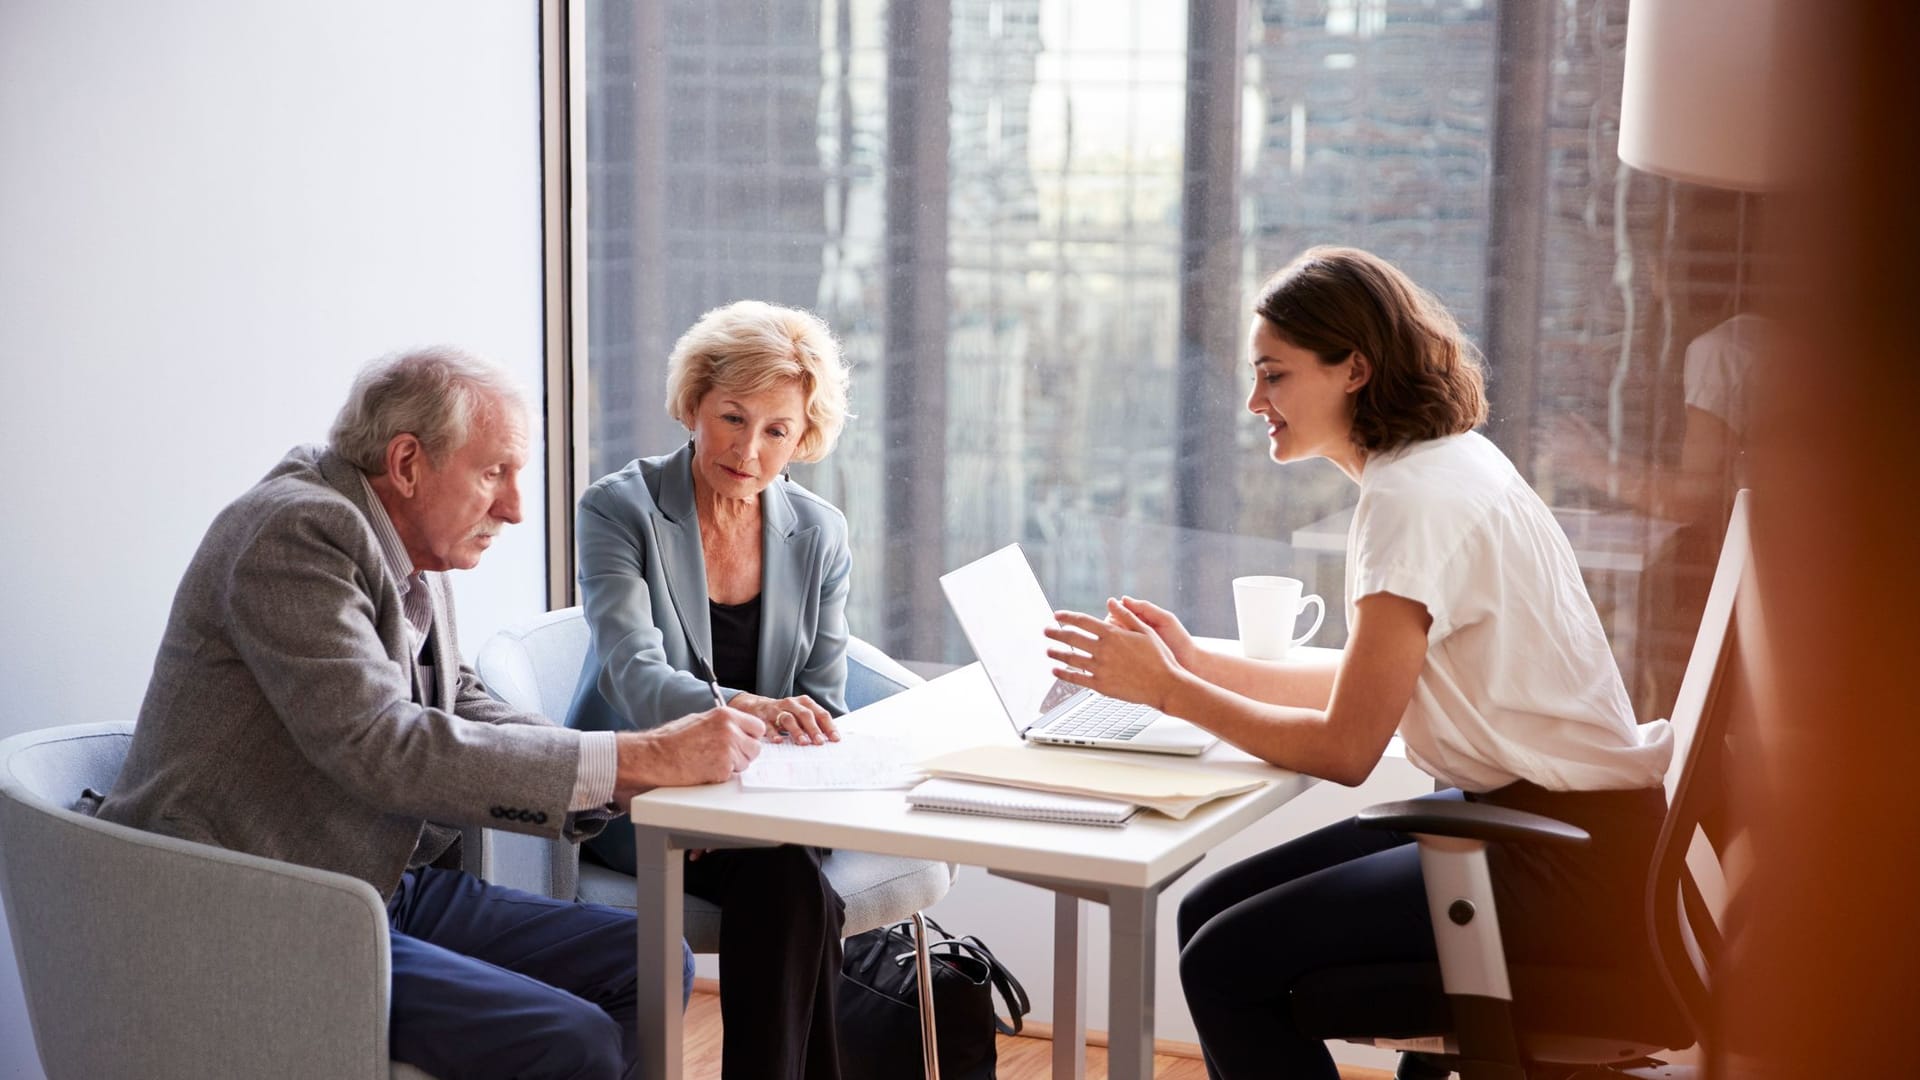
x=599, y=750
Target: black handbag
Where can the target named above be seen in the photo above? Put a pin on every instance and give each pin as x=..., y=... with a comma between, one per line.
x=878, y=1005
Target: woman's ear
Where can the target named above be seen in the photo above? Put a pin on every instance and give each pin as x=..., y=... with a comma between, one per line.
x=1360, y=374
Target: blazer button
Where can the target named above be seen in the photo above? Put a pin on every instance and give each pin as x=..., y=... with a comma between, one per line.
x=540, y=817
x=498, y=812
x=526, y=815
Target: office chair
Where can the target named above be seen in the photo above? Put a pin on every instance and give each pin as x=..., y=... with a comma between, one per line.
x=143, y=955
x=1474, y=1014
x=536, y=666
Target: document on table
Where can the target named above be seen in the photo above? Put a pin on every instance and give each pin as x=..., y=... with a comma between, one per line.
x=1172, y=790
x=861, y=759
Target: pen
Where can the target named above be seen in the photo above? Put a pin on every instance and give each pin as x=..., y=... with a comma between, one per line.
x=713, y=682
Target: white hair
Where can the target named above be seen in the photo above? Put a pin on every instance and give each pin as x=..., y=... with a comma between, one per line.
x=435, y=393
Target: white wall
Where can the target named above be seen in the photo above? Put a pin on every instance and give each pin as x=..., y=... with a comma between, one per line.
x=210, y=214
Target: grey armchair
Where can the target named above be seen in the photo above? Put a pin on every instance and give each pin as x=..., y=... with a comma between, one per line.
x=535, y=666
x=142, y=955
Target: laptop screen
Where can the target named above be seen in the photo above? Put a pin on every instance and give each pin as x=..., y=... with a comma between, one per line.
x=1004, y=614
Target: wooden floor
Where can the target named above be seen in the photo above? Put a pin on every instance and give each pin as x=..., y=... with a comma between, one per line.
x=1020, y=1058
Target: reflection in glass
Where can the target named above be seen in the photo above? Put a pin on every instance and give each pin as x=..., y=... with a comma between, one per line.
x=1034, y=224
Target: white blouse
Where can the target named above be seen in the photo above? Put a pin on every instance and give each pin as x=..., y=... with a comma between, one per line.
x=1519, y=682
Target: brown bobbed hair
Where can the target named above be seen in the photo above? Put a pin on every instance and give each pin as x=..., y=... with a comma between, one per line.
x=1426, y=380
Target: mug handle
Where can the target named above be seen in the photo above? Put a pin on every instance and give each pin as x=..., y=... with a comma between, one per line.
x=1319, y=616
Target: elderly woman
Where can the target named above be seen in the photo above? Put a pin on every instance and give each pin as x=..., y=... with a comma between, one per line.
x=1472, y=635
x=709, y=571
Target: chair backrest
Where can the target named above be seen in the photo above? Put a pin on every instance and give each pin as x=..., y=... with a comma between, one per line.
x=1687, y=892
x=52, y=767
x=536, y=665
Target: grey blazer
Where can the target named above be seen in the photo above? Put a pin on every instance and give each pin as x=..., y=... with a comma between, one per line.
x=281, y=718
x=643, y=578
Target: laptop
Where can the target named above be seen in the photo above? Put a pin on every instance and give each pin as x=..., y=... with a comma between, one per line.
x=1000, y=606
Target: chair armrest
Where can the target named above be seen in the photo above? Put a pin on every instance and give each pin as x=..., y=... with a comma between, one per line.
x=1470, y=821
x=518, y=861
x=873, y=675
x=199, y=960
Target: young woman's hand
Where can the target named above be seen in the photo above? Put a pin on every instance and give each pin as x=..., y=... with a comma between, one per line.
x=1164, y=624
x=1120, y=656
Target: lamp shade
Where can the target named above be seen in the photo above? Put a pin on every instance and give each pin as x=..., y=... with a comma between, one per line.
x=1704, y=91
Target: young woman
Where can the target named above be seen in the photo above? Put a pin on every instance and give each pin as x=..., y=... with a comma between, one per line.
x=1470, y=632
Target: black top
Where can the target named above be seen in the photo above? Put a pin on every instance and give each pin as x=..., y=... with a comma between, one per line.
x=736, y=644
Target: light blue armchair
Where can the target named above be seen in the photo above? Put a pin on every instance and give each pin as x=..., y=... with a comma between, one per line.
x=143, y=955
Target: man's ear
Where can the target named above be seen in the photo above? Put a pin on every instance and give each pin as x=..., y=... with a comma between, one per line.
x=1360, y=374
x=405, y=456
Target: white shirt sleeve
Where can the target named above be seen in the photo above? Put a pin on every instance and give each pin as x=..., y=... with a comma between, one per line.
x=1719, y=365
x=599, y=761
x=1412, y=549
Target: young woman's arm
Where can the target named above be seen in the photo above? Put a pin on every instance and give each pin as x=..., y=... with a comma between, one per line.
x=1342, y=742
x=1305, y=682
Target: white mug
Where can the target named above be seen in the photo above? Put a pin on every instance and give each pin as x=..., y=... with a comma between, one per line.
x=1268, y=609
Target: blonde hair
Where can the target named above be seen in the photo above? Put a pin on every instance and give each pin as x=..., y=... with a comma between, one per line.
x=750, y=345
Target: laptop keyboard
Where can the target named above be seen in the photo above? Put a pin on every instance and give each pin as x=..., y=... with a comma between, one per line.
x=1104, y=718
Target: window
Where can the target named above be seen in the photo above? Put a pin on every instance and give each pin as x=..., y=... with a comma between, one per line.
x=1035, y=224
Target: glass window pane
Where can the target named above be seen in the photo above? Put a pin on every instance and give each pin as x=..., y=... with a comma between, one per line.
x=1041, y=278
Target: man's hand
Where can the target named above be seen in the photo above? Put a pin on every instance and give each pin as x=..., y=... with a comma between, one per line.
x=704, y=748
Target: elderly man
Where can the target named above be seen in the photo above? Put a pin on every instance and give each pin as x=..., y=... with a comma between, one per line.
x=310, y=703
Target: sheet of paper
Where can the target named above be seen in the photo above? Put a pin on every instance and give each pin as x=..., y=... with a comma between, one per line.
x=860, y=760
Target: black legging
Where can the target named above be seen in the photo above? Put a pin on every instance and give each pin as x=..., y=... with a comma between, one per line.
x=1345, y=895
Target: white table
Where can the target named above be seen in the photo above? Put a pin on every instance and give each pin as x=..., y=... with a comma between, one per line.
x=1124, y=868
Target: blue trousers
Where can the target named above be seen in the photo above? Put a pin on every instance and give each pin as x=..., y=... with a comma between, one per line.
x=494, y=982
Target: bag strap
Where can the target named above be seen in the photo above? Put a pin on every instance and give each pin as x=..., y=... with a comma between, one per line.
x=1011, y=991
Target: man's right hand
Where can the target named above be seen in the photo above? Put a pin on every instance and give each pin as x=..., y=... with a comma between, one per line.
x=704, y=748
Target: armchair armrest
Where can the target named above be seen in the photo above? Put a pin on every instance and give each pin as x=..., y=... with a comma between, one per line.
x=222, y=963
x=1470, y=821
x=872, y=674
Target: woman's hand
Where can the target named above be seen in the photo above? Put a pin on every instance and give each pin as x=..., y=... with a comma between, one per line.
x=795, y=718
x=1165, y=625
x=1120, y=656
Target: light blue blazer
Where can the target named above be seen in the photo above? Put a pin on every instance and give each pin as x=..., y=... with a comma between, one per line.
x=643, y=583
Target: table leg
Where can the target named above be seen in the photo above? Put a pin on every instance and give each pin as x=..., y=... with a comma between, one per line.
x=659, y=876
x=1069, y=987
x=1132, y=915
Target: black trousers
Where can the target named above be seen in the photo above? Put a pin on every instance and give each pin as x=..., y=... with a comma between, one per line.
x=780, y=924
x=779, y=960
x=1345, y=895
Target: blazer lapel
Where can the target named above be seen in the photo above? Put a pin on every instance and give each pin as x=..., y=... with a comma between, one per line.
x=676, y=537
x=787, y=569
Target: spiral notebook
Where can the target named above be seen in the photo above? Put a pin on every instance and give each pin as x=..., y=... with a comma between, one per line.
x=998, y=800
